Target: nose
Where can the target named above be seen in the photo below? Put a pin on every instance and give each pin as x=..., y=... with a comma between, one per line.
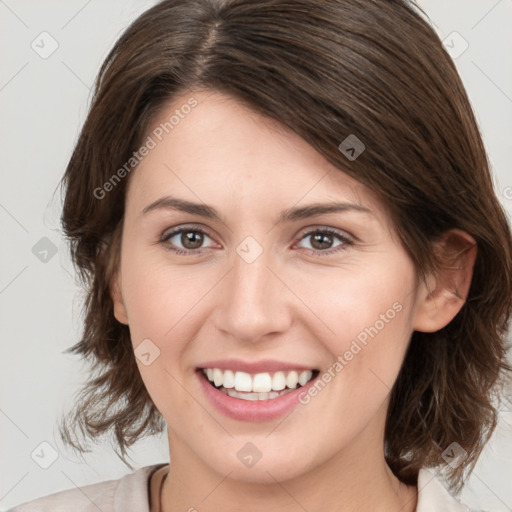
x=253, y=301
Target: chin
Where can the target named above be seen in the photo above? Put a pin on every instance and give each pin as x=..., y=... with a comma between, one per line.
x=264, y=472
x=254, y=459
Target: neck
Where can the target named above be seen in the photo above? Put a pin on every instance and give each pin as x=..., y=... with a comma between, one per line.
x=344, y=483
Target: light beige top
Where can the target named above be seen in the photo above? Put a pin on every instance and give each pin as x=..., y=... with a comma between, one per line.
x=131, y=494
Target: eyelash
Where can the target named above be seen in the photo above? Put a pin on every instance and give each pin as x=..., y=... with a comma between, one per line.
x=185, y=252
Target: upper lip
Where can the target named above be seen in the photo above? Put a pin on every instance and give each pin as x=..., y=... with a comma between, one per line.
x=266, y=365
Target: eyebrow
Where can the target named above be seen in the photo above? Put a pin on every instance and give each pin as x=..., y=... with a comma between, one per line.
x=287, y=215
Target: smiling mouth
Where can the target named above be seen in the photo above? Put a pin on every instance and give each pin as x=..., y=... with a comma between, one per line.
x=259, y=386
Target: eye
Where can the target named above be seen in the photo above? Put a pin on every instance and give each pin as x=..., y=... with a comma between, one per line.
x=191, y=239
x=322, y=240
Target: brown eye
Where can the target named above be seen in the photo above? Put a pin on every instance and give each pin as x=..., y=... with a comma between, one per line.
x=185, y=240
x=191, y=239
x=322, y=240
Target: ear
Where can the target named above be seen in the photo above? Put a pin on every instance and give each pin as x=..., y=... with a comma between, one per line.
x=117, y=299
x=443, y=294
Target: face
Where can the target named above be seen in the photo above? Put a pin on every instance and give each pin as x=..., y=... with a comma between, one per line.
x=312, y=310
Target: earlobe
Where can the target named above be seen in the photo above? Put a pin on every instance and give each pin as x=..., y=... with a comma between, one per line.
x=442, y=295
x=117, y=299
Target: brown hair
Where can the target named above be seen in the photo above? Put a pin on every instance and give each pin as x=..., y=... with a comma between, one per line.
x=326, y=69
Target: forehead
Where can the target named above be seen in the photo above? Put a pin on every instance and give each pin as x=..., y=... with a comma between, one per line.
x=219, y=149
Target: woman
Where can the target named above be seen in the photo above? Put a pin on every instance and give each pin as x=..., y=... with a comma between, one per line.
x=295, y=261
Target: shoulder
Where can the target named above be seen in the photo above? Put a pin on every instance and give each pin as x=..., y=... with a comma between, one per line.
x=124, y=494
x=432, y=495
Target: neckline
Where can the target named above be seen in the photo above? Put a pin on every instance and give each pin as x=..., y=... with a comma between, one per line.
x=429, y=488
x=155, y=486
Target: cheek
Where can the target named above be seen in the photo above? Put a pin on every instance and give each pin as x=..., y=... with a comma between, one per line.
x=160, y=304
x=366, y=318
x=158, y=297
x=164, y=306
x=371, y=316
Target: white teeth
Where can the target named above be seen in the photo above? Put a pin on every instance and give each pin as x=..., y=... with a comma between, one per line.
x=254, y=396
x=217, y=377
x=292, y=379
x=228, y=379
x=304, y=377
x=262, y=382
x=243, y=381
x=262, y=386
x=278, y=381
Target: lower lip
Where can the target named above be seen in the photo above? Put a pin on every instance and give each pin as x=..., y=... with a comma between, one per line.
x=248, y=410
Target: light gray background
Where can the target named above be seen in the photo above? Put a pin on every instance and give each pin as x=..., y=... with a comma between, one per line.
x=43, y=103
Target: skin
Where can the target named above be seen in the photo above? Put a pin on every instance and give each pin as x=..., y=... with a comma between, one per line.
x=288, y=304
